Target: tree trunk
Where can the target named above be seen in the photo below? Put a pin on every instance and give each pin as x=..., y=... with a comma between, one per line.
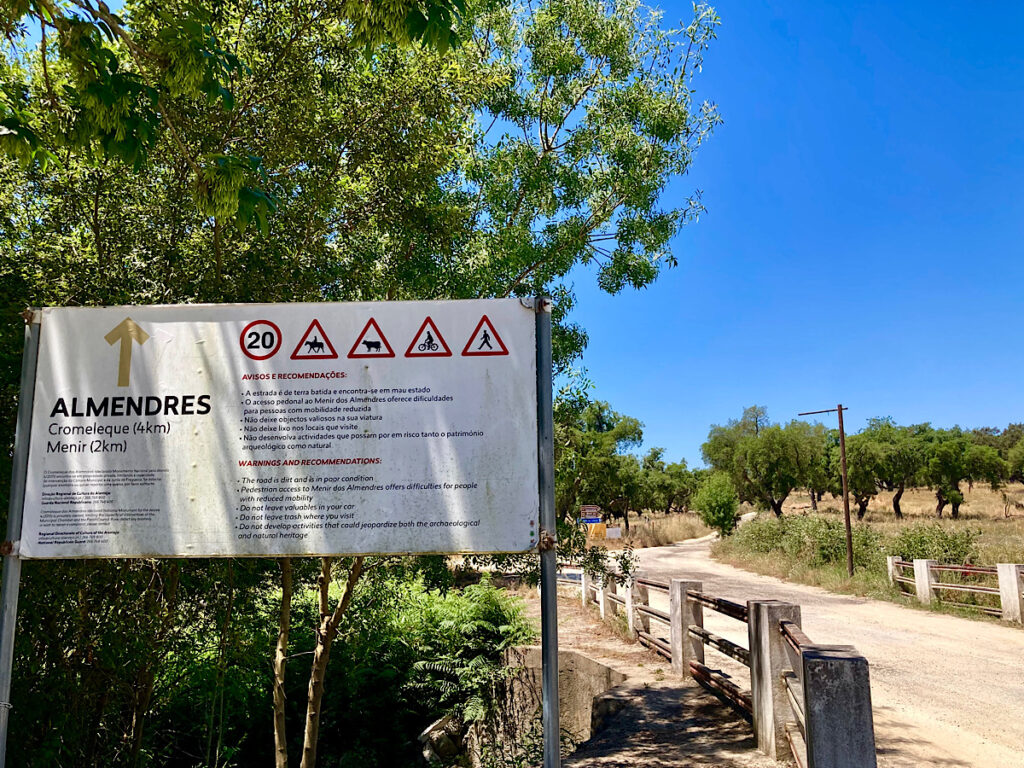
x=280, y=657
x=862, y=505
x=777, y=506
x=217, y=702
x=955, y=510
x=814, y=501
x=143, y=696
x=167, y=597
x=325, y=635
x=896, y=502
x=940, y=503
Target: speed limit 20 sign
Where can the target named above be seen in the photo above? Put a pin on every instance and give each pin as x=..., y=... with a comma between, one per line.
x=260, y=339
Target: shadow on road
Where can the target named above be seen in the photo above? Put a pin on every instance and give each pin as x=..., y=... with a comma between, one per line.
x=666, y=724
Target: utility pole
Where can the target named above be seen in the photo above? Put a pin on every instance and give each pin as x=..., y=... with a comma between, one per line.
x=846, y=488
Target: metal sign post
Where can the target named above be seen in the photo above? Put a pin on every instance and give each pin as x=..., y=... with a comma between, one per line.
x=548, y=539
x=12, y=561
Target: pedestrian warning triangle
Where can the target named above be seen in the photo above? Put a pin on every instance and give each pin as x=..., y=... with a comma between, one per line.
x=484, y=341
x=428, y=342
x=371, y=342
x=317, y=345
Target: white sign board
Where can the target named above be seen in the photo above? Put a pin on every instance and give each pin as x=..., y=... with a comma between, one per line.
x=284, y=429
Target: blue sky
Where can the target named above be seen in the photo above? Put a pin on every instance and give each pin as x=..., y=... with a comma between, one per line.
x=864, y=231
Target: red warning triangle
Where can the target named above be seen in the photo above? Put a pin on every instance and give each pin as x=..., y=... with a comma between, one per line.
x=428, y=342
x=317, y=345
x=485, y=341
x=374, y=343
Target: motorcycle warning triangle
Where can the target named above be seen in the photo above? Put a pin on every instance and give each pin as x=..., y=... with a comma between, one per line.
x=317, y=345
x=373, y=341
x=428, y=342
x=485, y=341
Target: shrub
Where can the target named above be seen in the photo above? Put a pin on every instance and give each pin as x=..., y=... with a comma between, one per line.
x=717, y=503
x=930, y=541
x=813, y=540
x=762, y=534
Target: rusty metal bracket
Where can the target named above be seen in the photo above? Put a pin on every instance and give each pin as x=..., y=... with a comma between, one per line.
x=7, y=548
x=547, y=541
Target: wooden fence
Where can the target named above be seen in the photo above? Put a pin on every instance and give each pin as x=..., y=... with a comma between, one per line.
x=807, y=702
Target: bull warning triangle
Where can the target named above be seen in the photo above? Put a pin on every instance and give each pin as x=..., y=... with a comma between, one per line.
x=483, y=340
x=318, y=346
x=428, y=342
x=373, y=341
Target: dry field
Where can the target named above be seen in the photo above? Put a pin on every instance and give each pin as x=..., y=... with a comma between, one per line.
x=980, y=502
x=994, y=514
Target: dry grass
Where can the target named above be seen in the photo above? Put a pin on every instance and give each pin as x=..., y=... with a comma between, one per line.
x=980, y=502
x=1001, y=538
x=659, y=530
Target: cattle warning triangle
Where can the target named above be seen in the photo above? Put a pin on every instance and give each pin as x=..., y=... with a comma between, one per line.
x=314, y=344
x=371, y=342
x=428, y=342
x=484, y=341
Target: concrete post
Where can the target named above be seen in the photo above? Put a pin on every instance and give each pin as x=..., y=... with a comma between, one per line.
x=602, y=588
x=608, y=606
x=840, y=730
x=768, y=659
x=891, y=569
x=1011, y=591
x=641, y=596
x=924, y=578
x=627, y=599
x=683, y=613
x=585, y=587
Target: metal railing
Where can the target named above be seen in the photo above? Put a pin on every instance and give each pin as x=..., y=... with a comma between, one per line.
x=928, y=584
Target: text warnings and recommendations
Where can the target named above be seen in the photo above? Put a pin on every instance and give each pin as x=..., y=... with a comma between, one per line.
x=284, y=429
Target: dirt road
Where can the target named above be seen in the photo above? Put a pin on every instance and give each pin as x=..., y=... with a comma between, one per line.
x=946, y=691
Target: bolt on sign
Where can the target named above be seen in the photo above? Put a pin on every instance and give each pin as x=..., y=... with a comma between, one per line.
x=242, y=430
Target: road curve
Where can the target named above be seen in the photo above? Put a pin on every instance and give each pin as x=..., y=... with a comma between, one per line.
x=946, y=691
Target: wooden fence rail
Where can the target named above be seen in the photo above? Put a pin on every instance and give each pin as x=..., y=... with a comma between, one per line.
x=807, y=702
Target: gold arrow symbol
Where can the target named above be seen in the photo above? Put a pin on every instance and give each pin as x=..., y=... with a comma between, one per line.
x=125, y=332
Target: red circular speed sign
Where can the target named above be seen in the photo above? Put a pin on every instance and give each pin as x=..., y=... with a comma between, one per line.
x=260, y=339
